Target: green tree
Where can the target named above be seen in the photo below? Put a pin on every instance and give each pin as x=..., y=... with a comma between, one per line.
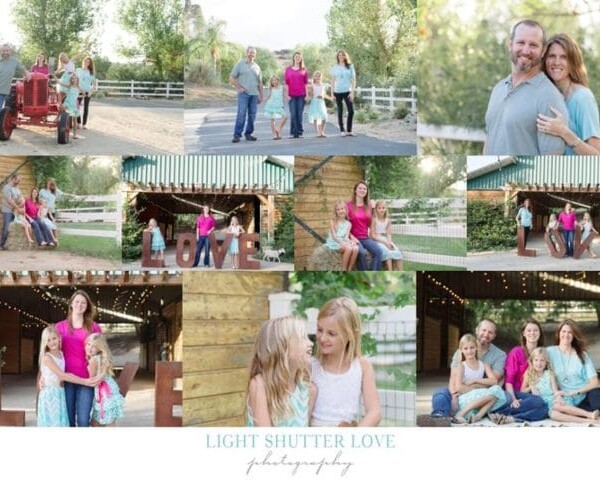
x=507, y=313
x=158, y=26
x=132, y=234
x=391, y=177
x=56, y=166
x=53, y=26
x=284, y=231
x=379, y=35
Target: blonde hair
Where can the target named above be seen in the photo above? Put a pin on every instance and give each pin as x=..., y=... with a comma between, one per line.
x=335, y=208
x=106, y=360
x=152, y=222
x=273, y=77
x=377, y=204
x=531, y=374
x=317, y=73
x=466, y=339
x=237, y=221
x=271, y=359
x=46, y=333
x=345, y=312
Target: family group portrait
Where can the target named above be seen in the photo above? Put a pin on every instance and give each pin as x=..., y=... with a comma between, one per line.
x=208, y=212
x=532, y=213
x=377, y=213
x=299, y=349
x=536, y=71
x=336, y=76
x=508, y=348
x=90, y=348
x=60, y=210
x=91, y=77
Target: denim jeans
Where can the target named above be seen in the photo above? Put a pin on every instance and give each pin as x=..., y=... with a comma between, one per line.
x=296, y=111
x=569, y=236
x=591, y=402
x=203, y=242
x=246, y=113
x=344, y=97
x=531, y=407
x=7, y=218
x=79, y=404
x=441, y=402
x=41, y=231
x=2, y=97
x=375, y=251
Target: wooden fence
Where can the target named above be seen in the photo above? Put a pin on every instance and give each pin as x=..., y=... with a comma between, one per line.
x=108, y=212
x=135, y=88
x=386, y=99
x=450, y=132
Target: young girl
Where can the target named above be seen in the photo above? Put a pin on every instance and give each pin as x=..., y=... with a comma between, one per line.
x=45, y=216
x=317, y=110
x=108, y=402
x=64, y=66
x=343, y=377
x=279, y=391
x=587, y=227
x=381, y=231
x=234, y=247
x=473, y=405
x=274, y=107
x=157, y=244
x=52, y=404
x=340, y=239
x=540, y=380
x=552, y=224
x=70, y=87
x=24, y=222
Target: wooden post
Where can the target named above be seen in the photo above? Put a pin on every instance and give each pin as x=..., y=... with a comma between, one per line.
x=147, y=260
x=165, y=396
x=521, y=250
x=557, y=248
x=185, y=241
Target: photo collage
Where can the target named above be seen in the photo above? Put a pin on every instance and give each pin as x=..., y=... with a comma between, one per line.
x=350, y=213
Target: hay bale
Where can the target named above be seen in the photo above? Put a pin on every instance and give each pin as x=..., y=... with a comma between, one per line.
x=17, y=240
x=325, y=259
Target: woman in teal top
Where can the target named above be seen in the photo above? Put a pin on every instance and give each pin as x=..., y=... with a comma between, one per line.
x=525, y=218
x=343, y=84
x=87, y=82
x=563, y=64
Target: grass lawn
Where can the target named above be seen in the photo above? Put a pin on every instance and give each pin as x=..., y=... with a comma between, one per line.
x=420, y=266
x=449, y=246
x=86, y=225
x=102, y=247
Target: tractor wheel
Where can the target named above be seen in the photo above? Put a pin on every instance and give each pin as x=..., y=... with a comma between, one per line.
x=64, y=127
x=6, y=126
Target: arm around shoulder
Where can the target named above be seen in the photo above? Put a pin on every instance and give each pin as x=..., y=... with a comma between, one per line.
x=370, y=395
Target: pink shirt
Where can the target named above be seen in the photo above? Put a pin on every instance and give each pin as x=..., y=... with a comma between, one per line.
x=204, y=224
x=296, y=81
x=360, y=218
x=73, y=347
x=43, y=69
x=515, y=367
x=567, y=220
x=31, y=208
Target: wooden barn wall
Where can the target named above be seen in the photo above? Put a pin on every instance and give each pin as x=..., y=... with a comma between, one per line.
x=222, y=313
x=173, y=312
x=314, y=199
x=9, y=164
x=10, y=336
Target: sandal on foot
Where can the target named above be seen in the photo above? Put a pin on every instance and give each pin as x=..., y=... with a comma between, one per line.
x=596, y=414
x=459, y=420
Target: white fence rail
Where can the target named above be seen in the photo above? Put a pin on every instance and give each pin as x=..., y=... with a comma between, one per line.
x=451, y=132
x=135, y=88
x=387, y=99
x=109, y=212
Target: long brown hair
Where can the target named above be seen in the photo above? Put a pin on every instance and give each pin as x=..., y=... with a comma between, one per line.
x=579, y=343
x=88, y=316
x=354, y=197
x=347, y=61
x=577, y=70
x=91, y=67
x=541, y=341
x=301, y=66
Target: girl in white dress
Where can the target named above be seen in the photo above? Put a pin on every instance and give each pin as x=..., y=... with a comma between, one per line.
x=317, y=110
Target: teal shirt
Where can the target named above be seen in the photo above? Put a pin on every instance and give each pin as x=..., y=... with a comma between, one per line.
x=526, y=217
x=343, y=77
x=86, y=79
x=298, y=403
x=571, y=374
x=583, y=115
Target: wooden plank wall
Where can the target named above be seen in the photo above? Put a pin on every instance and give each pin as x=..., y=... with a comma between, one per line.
x=174, y=314
x=222, y=312
x=9, y=164
x=10, y=336
x=314, y=199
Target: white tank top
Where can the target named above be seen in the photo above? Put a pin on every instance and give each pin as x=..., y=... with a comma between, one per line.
x=338, y=395
x=51, y=379
x=473, y=373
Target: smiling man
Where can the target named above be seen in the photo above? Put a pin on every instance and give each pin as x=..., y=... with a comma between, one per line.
x=517, y=100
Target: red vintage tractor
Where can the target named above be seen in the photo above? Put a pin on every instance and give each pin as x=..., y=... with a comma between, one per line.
x=34, y=102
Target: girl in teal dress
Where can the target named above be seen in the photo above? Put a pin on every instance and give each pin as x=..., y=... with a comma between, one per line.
x=340, y=239
x=539, y=379
x=70, y=87
x=274, y=107
x=157, y=243
x=108, y=401
x=317, y=110
x=279, y=391
x=51, y=403
x=234, y=246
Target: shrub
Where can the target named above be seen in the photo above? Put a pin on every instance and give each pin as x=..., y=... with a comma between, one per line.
x=361, y=116
x=401, y=111
x=373, y=115
x=487, y=227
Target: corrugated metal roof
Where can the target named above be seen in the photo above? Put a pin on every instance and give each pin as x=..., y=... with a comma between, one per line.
x=222, y=170
x=557, y=169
